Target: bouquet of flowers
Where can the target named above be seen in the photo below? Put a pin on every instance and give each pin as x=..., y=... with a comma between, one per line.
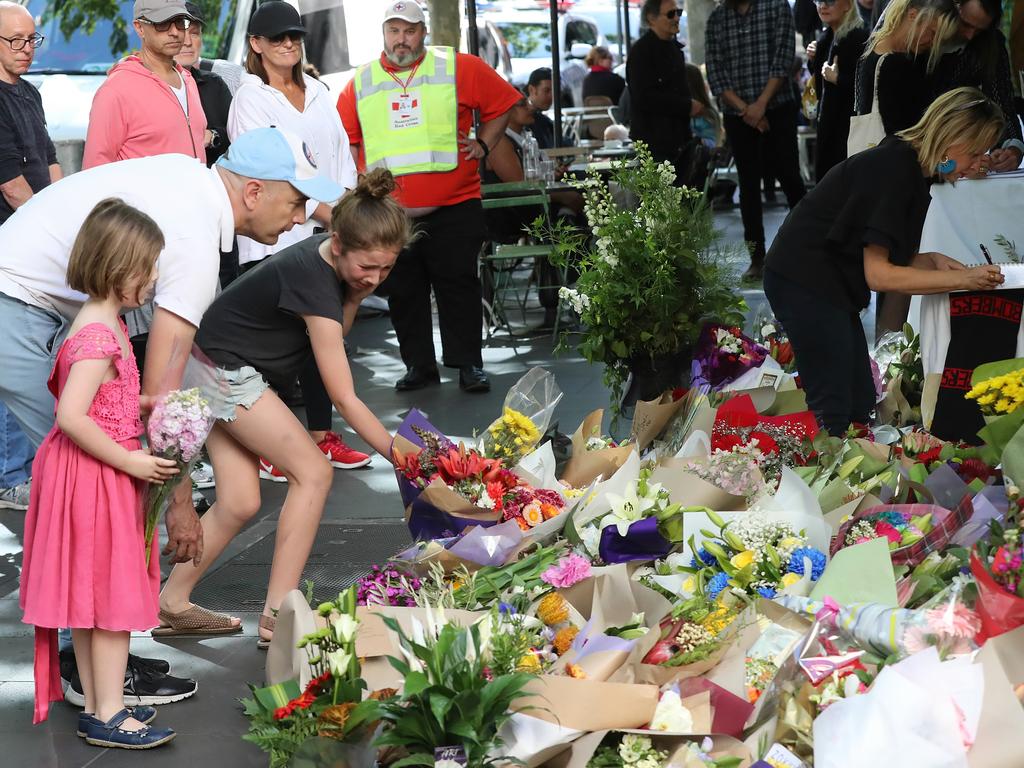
x=898, y=358
x=736, y=470
x=753, y=557
x=525, y=416
x=692, y=633
x=641, y=525
x=177, y=428
x=387, y=585
x=773, y=336
x=913, y=530
x=999, y=395
x=997, y=564
x=723, y=354
x=330, y=713
x=631, y=751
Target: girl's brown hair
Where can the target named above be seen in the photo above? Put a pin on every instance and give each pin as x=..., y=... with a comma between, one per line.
x=596, y=55
x=254, y=66
x=116, y=245
x=368, y=217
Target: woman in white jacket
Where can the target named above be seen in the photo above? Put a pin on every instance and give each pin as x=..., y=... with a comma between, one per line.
x=276, y=92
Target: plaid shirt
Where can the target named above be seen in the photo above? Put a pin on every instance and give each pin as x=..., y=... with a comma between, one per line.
x=743, y=52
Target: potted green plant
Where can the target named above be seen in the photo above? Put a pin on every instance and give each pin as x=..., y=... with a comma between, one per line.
x=454, y=701
x=649, y=276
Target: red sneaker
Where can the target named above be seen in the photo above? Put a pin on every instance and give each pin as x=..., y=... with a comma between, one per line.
x=340, y=455
x=269, y=472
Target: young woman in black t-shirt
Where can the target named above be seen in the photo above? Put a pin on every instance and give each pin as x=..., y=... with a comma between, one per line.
x=858, y=231
x=260, y=332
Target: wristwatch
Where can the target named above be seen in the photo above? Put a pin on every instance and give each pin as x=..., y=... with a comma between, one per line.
x=215, y=142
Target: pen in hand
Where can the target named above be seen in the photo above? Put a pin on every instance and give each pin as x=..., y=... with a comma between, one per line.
x=985, y=253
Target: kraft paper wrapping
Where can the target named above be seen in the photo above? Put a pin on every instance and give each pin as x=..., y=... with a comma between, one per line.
x=586, y=466
x=999, y=742
x=652, y=416
x=691, y=491
x=584, y=748
x=295, y=620
x=589, y=705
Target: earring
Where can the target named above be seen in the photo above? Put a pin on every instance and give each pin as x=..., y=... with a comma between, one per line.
x=946, y=166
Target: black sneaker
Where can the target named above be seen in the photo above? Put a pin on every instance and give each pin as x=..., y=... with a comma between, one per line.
x=143, y=685
x=69, y=667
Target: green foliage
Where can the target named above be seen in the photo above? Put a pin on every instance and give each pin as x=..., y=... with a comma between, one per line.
x=652, y=273
x=82, y=15
x=449, y=699
x=510, y=641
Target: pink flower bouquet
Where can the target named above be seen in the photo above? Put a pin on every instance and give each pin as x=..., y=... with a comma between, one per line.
x=177, y=428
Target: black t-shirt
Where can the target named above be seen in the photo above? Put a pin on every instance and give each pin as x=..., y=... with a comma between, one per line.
x=25, y=146
x=258, y=321
x=903, y=90
x=878, y=196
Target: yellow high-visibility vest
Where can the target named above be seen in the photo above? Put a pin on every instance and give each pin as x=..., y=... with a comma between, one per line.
x=414, y=129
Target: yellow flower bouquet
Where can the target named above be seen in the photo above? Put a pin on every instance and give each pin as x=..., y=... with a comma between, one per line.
x=524, y=418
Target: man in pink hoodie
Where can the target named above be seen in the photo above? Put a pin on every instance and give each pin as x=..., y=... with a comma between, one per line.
x=149, y=105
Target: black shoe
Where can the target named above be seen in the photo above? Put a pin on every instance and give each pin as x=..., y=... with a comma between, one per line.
x=418, y=377
x=69, y=666
x=143, y=685
x=473, y=379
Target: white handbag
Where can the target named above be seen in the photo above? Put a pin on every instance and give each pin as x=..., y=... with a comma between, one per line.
x=867, y=131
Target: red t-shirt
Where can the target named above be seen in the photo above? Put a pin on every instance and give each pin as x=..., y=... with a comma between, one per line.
x=478, y=87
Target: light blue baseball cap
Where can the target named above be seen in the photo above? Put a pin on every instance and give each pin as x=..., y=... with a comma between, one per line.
x=271, y=154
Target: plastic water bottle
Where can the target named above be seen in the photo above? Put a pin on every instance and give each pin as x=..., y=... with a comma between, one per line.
x=531, y=155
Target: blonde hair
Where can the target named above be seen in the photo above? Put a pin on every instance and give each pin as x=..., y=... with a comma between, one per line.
x=851, y=20
x=961, y=116
x=368, y=217
x=115, y=245
x=942, y=11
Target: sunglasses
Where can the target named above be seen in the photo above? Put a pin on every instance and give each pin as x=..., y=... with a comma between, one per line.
x=276, y=40
x=181, y=23
x=826, y=3
x=675, y=13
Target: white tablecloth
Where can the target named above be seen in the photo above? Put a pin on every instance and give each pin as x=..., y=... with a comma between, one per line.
x=960, y=218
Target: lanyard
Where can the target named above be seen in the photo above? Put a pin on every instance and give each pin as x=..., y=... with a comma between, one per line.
x=405, y=85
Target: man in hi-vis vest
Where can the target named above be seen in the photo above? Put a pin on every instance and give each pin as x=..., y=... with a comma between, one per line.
x=411, y=112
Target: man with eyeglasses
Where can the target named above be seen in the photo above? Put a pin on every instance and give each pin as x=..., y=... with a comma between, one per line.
x=28, y=163
x=149, y=105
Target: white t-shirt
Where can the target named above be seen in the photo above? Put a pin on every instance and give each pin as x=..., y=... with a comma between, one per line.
x=181, y=94
x=185, y=198
x=257, y=105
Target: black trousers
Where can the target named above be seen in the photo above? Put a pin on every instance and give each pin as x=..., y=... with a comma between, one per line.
x=757, y=154
x=444, y=259
x=831, y=352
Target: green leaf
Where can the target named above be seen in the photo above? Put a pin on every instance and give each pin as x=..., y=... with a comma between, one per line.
x=275, y=696
x=415, y=682
x=420, y=758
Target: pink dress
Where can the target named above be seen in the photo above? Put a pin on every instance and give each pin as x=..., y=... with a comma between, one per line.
x=84, y=561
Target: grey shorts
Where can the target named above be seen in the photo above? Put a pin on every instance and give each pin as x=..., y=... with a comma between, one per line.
x=238, y=388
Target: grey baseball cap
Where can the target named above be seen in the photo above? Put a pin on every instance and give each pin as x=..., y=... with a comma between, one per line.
x=160, y=10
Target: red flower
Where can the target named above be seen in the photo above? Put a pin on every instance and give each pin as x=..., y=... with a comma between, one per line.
x=885, y=530
x=765, y=442
x=1003, y=561
x=726, y=442
x=975, y=469
x=461, y=464
x=282, y=712
x=679, y=393
x=931, y=455
x=409, y=465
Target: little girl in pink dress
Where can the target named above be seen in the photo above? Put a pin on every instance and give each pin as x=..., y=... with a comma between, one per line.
x=84, y=564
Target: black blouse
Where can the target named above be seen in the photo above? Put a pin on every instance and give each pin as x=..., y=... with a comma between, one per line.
x=603, y=82
x=904, y=90
x=835, y=100
x=878, y=196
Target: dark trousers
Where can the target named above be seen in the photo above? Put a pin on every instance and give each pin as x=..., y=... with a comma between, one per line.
x=831, y=353
x=444, y=258
x=758, y=154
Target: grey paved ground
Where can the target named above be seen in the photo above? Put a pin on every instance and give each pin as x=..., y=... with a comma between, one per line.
x=356, y=530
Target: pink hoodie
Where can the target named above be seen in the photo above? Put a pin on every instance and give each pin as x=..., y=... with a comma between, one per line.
x=135, y=114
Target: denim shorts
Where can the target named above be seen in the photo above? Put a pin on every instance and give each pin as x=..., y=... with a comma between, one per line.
x=238, y=388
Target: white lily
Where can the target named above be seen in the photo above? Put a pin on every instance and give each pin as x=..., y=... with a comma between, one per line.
x=627, y=509
x=338, y=662
x=345, y=627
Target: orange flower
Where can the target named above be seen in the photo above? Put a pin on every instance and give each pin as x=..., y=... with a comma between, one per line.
x=563, y=639
x=553, y=610
x=575, y=670
x=549, y=511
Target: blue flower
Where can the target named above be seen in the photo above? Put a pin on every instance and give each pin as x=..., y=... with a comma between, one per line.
x=796, y=561
x=718, y=582
x=703, y=557
x=506, y=609
x=768, y=592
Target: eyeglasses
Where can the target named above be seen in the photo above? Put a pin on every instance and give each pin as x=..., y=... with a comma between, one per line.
x=278, y=40
x=18, y=43
x=181, y=23
x=826, y=3
x=675, y=13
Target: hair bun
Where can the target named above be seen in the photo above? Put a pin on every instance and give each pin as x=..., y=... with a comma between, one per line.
x=376, y=184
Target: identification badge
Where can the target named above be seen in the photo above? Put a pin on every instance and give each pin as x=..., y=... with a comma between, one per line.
x=406, y=111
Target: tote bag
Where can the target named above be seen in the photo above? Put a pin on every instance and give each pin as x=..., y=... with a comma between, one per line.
x=867, y=131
